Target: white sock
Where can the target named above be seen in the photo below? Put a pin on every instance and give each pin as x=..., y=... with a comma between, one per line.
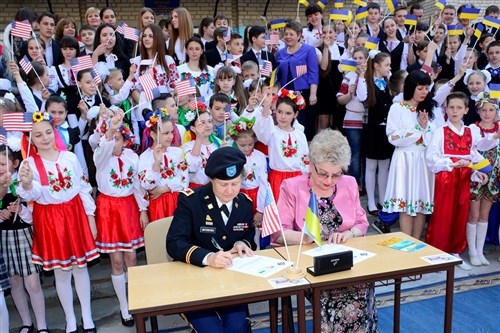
x=482, y=229
x=121, y=293
x=471, y=238
x=4, y=314
x=20, y=299
x=65, y=295
x=370, y=172
x=82, y=286
x=383, y=174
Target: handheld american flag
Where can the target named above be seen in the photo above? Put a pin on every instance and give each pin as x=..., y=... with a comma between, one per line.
x=270, y=221
x=227, y=111
x=81, y=63
x=121, y=27
x=21, y=29
x=95, y=76
x=149, y=86
x=3, y=136
x=131, y=33
x=272, y=39
x=227, y=35
x=266, y=67
x=186, y=87
x=26, y=65
x=18, y=121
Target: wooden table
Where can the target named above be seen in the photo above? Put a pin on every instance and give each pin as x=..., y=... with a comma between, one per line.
x=177, y=287
x=388, y=264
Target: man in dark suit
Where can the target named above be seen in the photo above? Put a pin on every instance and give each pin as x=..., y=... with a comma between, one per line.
x=47, y=24
x=258, y=51
x=211, y=223
x=219, y=53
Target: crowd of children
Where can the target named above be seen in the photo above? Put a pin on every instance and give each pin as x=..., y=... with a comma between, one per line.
x=115, y=136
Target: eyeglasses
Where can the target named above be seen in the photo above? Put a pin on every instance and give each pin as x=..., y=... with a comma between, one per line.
x=325, y=176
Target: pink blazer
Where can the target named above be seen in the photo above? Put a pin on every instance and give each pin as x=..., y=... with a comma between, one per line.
x=294, y=199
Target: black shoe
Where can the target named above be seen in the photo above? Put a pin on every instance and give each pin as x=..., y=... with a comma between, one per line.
x=90, y=330
x=380, y=227
x=30, y=328
x=371, y=212
x=129, y=322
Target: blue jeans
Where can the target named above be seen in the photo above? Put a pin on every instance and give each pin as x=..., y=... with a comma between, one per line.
x=354, y=137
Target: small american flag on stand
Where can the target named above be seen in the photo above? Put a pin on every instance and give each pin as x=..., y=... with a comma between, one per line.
x=270, y=221
x=131, y=33
x=26, y=65
x=266, y=67
x=149, y=86
x=186, y=87
x=121, y=27
x=18, y=121
x=3, y=136
x=301, y=70
x=81, y=63
x=21, y=29
x=227, y=111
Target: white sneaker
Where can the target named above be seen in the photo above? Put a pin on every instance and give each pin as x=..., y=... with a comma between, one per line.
x=465, y=266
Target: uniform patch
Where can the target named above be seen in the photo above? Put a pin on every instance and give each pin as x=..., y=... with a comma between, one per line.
x=207, y=230
x=231, y=171
x=240, y=226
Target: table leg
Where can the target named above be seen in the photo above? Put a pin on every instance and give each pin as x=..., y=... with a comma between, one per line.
x=316, y=310
x=397, y=304
x=140, y=323
x=286, y=304
x=301, y=311
x=448, y=307
x=273, y=315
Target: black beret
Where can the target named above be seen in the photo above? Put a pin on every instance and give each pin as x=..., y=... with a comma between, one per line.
x=225, y=163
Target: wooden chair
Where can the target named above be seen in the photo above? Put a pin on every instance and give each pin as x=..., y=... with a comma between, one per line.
x=155, y=240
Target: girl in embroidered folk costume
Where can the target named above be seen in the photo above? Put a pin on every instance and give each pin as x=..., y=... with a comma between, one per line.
x=121, y=208
x=162, y=168
x=288, y=150
x=483, y=196
x=63, y=217
x=410, y=188
x=452, y=148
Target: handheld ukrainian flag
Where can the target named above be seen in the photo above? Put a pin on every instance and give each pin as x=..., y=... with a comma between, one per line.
x=347, y=65
x=323, y=3
x=372, y=43
x=277, y=24
x=272, y=80
x=455, y=30
x=483, y=166
x=392, y=5
x=469, y=13
x=339, y=15
x=312, y=227
x=304, y=2
x=338, y=3
x=494, y=90
x=441, y=4
x=362, y=3
x=492, y=22
x=479, y=30
x=361, y=13
x=411, y=20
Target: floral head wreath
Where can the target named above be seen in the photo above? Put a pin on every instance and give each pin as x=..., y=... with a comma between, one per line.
x=295, y=96
x=156, y=116
x=128, y=137
x=41, y=116
x=240, y=125
x=485, y=97
x=193, y=105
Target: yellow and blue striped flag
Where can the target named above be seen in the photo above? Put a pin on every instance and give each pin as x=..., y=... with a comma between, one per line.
x=483, y=166
x=323, y=3
x=304, y=2
x=361, y=13
x=338, y=3
x=441, y=4
x=347, y=65
x=362, y=3
x=469, y=13
x=372, y=43
x=411, y=20
x=491, y=22
x=312, y=227
x=455, y=30
x=272, y=80
x=339, y=15
x=494, y=90
x=276, y=24
x=392, y=5
x=479, y=30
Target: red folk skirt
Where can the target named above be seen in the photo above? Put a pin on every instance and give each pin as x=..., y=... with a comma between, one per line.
x=118, y=224
x=163, y=206
x=447, y=227
x=252, y=193
x=62, y=235
x=277, y=177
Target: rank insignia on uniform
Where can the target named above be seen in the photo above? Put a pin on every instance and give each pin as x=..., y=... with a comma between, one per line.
x=187, y=191
x=208, y=218
x=231, y=171
x=210, y=206
x=206, y=197
x=236, y=205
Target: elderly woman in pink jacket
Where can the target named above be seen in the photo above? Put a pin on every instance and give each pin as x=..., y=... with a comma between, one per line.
x=349, y=309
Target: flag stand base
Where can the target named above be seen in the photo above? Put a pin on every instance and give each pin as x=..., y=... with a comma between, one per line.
x=292, y=273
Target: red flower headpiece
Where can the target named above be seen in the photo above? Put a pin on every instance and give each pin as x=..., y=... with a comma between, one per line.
x=295, y=96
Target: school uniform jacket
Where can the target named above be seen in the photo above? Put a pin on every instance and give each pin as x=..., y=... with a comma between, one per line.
x=198, y=219
x=250, y=55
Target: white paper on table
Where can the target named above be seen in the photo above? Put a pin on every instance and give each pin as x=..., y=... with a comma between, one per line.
x=258, y=265
x=284, y=283
x=439, y=258
x=357, y=255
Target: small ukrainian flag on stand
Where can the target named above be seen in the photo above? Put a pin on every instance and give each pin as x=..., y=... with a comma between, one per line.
x=312, y=227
